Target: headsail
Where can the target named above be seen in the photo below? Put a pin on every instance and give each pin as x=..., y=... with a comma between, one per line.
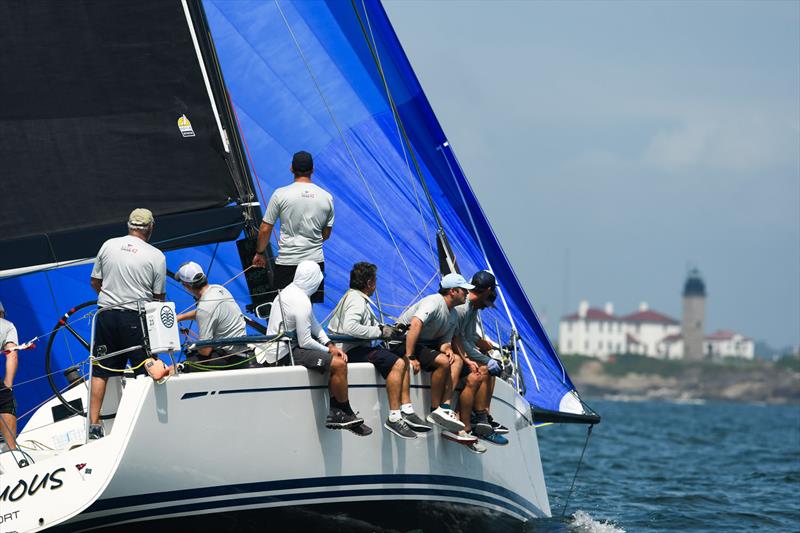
x=322, y=76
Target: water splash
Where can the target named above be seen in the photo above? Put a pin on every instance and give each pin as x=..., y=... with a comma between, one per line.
x=584, y=523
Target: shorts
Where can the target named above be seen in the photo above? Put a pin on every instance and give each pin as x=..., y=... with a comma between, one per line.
x=117, y=329
x=382, y=360
x=311, y=359
x=426, y=355
x=8, y=405
x=284, y=275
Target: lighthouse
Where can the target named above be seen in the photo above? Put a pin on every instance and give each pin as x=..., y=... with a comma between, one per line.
x=694, y=315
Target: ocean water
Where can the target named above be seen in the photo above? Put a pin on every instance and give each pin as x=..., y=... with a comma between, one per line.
x=659, y=466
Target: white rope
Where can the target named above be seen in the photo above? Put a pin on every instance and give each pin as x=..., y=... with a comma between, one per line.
x=344, y=141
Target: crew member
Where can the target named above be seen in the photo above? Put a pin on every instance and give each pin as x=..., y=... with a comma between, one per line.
x=292, y=312
x=127, y=271
x=431, y=325
x=218, y=317
x=8, y=405
x=472, y=344
x=354, y=317
x=305, y=211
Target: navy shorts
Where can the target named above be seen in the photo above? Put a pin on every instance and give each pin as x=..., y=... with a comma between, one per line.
x=117, y=329
x=382, y=359
x=8, y=404
x=284, y=275
x=426, y=355
x=311, y=359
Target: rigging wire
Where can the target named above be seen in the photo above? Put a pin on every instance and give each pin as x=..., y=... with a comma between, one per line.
x=580, y=461
x=344, y=141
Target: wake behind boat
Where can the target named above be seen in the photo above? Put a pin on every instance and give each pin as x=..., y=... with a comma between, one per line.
x=135, y=95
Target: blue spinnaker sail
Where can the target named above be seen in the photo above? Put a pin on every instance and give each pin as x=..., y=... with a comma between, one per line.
x=303, y=75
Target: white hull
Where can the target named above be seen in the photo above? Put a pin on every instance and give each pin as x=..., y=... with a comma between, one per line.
x=255, y=439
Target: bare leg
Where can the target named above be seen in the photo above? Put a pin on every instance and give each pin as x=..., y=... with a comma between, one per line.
x=490, y=393
x=405, y=391
x=98, y=393
x=482, y=396
x=465, y=401
x=453, y=377
x=8, y=428
x=439, y=379
x=338, y=380
x=394, y=383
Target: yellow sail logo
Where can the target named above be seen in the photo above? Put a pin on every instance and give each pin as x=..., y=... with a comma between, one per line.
x=185, y=126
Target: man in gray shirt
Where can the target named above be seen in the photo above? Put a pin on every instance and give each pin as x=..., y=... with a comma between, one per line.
x=306, y=218
x=127, y=270
x=8, y=405
x=431, y=325
x=218, y=317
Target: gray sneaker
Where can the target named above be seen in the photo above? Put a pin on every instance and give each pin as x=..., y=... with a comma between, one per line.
x=96, y=432
x=416, y=423
x=338, y=419
x=400, y=428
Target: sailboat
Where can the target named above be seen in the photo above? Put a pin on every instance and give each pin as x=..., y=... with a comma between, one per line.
x=192, y=109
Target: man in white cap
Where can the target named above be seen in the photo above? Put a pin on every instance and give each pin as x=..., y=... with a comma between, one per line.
x=127, y=270
x=305, y=211
x=218, y=317
x=8, y=405
x=432, y=322
x=292, y=312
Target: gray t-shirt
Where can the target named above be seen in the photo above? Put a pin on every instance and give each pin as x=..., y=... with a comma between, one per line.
x=438, y=322
x=304, y=210
x=354, y=317
x=467, y=329
x=219, y=317
x=8, y=333
x=131, y=269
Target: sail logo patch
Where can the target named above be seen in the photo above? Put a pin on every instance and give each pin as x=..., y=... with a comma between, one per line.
x=185, y=126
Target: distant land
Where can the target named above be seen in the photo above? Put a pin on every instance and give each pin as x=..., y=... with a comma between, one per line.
x=638, y=377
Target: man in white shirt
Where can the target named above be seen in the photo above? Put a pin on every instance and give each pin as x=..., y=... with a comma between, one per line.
x=306, y=218
x=127, y=270
x=354, y=317
x=431, y=325
x=292, y=312
x=8, y=405
x=218, y=317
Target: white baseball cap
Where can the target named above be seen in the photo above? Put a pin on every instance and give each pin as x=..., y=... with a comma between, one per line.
x=453, y=280
x=140, y=218
x=189, y=272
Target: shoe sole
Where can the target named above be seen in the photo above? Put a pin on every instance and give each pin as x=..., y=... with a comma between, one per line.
x=360, y=432
x=484, y=439
x=503, y=431
x=481, y=429
x=465, y=441
x=343, y=425
x=398, y=433
x=419, y=428
x=473, y=449
x=446, y=422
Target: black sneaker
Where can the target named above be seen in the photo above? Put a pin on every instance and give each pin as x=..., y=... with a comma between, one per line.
x=400, y=428
x=498, y=428
x=96, y=432
x=362, y=430
x=338, y=419
x=416, y=423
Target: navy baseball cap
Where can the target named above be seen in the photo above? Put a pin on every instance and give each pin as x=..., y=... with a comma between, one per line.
x=302, y=162
x=483, y=279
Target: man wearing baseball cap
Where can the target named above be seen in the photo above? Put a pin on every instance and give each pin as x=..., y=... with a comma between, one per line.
x=127, y=270
x=476, y=348
x=8, y=405
x=218, y=317
x=305, y=211
x=431, y=325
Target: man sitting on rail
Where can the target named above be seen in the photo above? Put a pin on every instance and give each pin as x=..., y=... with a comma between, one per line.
x=292, y=312
x=431, y=325
x=218, y=317
x=8, y=405
x=354, y=317
x=476, y=348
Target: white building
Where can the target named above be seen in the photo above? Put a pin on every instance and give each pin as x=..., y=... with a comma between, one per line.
x=724, y=344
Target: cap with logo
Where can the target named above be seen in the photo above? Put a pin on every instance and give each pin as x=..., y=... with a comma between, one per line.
x=302, y=162
x=190, y=272
x=453, y=280
x=140, y=218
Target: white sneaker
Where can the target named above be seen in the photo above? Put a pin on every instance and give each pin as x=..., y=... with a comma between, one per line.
x=446, y=419
x=462, y=437
x=476, y=447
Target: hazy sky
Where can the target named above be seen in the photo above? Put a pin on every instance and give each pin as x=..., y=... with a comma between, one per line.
x=614, y=143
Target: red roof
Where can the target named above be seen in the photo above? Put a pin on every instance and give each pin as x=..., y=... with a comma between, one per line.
x=649, y=316
x=721, y=335
x=592, y=314
x=672, y=338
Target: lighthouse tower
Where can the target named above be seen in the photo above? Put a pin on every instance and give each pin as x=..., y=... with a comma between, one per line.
x=694, y=315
